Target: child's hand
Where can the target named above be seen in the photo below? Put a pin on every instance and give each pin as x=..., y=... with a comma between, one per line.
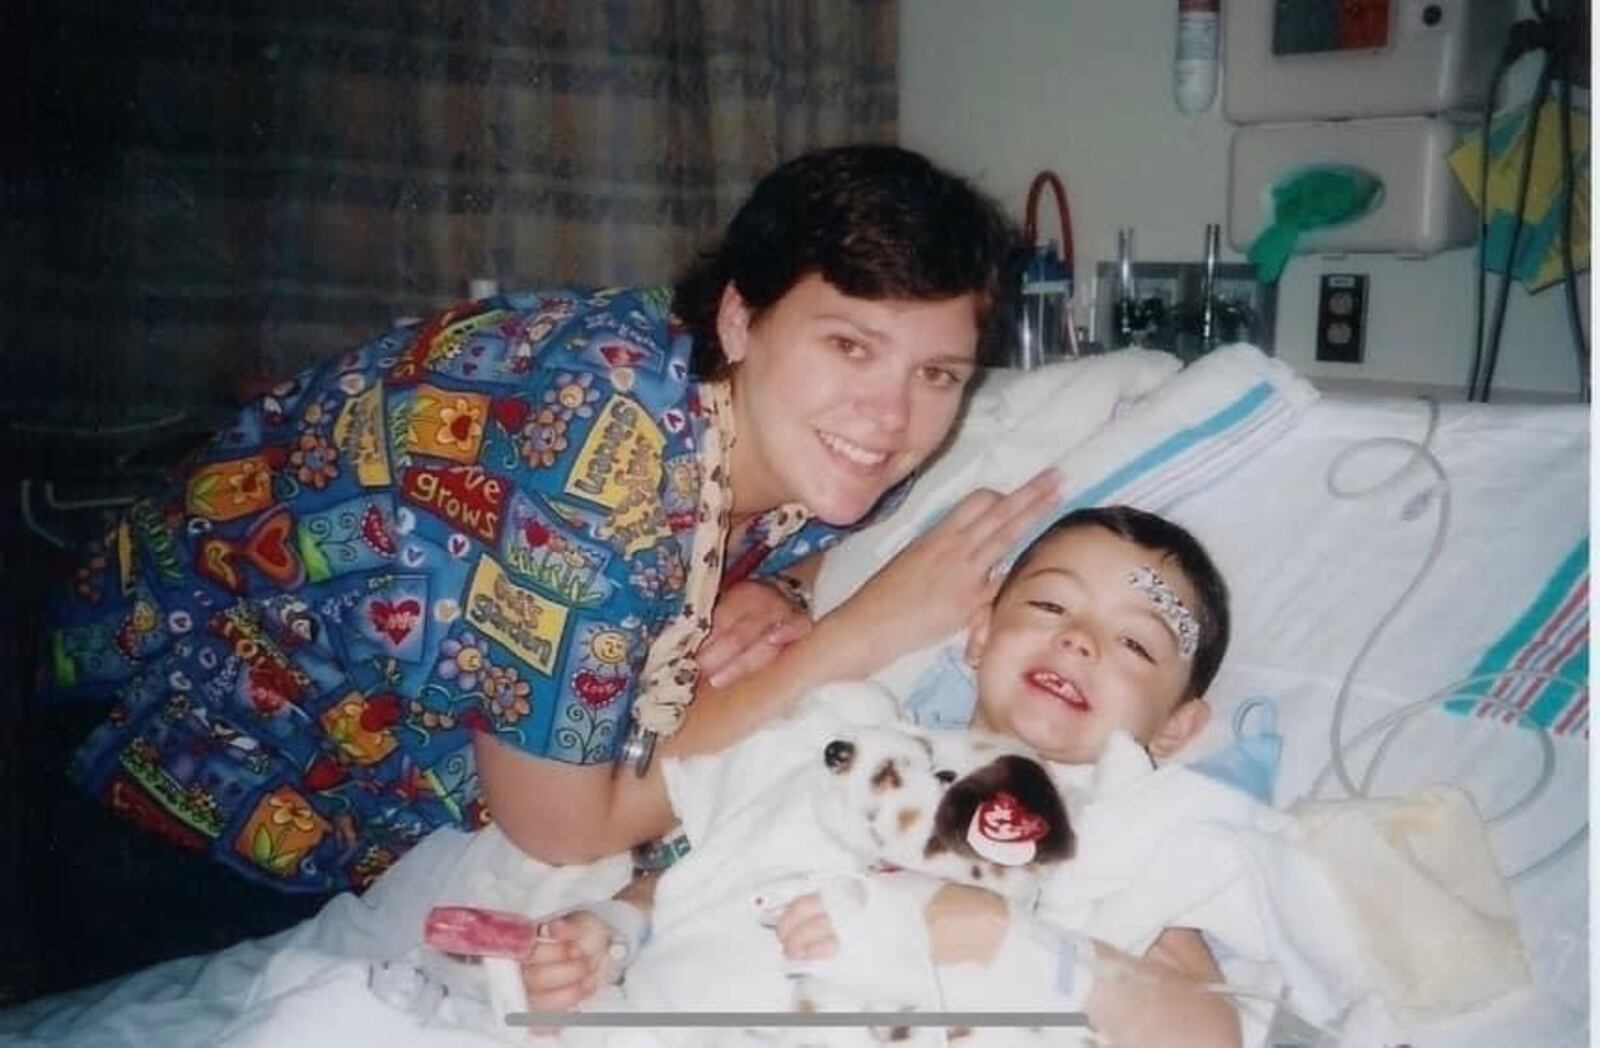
x=806, y=931
x=568, y=962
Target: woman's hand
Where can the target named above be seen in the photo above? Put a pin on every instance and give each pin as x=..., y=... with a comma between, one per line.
x=931, y=588
x=568, y=963
x=751, y=623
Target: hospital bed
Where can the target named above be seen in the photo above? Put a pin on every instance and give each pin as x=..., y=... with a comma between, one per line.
x=1379, y=553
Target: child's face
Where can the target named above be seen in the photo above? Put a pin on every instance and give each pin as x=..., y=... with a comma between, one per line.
x=1085, y=640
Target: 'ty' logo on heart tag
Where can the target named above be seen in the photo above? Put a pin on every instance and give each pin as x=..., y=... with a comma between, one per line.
x=1006, y=832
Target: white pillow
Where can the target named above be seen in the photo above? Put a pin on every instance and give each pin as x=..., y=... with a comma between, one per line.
x=1117, y=437
x=1016, y=423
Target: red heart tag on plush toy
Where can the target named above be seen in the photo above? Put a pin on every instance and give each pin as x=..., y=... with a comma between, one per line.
x=1006, y=832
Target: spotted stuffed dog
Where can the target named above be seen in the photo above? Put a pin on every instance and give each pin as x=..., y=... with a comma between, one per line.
x=955, y=805
x=923, y=808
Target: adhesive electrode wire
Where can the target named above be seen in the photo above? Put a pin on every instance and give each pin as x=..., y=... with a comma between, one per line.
x=1338, y=746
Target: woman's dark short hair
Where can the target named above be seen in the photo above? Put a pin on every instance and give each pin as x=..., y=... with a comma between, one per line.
x=1159, y=535
x=876, y=222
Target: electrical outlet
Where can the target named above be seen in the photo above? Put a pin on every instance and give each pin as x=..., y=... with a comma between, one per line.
x=1342, y=318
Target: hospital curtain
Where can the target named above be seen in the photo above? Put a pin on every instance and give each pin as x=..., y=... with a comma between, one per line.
x=217, y=189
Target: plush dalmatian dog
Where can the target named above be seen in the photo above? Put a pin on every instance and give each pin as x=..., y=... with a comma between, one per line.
x=923, y=808
x=956, y=805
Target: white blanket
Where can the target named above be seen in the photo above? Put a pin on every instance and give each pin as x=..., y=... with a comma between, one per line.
x=752, y=816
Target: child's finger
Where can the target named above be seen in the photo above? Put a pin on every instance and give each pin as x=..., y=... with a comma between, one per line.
x=557, y=929
x=547, y=977
x=554, y=951
x=803, y=908
x=812, y=941
x=579, y=929
x=563, y=999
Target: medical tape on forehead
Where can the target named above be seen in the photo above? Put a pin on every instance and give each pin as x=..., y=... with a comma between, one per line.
x=1170, y=607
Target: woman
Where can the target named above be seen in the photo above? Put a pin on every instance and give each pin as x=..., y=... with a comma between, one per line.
x=428, y=582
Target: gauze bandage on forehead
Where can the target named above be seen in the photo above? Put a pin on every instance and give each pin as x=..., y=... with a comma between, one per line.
x=1170, y=607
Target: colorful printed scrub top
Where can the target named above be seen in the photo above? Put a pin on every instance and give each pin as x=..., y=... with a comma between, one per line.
x=475, y=524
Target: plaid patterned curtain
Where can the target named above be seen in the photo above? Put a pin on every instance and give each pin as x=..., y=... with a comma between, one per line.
x=215, y=192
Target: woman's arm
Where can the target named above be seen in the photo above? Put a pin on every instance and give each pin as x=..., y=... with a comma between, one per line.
x=564, y=813
x=567, y=813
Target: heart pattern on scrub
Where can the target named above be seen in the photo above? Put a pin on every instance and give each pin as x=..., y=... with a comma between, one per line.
x=394, y=620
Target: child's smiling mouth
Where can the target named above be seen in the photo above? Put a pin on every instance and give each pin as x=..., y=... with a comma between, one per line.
x=1060, y=687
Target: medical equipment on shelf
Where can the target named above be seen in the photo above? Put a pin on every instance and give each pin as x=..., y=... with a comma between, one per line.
x=1046, y=327
x=1127, y=316
x=1208, y=288
x=1321, y=196
x=1420, y=210
x=1365, y=86
x=1338, y=59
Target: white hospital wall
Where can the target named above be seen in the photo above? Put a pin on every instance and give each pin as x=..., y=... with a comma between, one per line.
x=1002, y=90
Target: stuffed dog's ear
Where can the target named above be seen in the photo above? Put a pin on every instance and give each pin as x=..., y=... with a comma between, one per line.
x=1015, y=799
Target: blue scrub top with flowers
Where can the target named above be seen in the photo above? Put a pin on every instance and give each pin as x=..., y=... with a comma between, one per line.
x=478, y=523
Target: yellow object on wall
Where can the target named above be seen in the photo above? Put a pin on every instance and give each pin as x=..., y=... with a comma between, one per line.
x=1538, y=262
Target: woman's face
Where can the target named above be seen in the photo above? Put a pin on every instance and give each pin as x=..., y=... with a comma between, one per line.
x=837, y=399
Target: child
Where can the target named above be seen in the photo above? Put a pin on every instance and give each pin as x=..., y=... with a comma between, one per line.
x=1112, y=619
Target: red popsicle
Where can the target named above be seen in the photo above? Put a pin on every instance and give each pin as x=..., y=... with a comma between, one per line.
x=473, y=931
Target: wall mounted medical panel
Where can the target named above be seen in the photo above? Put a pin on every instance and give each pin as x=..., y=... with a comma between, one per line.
x=1422, y=210
x=1286, y=60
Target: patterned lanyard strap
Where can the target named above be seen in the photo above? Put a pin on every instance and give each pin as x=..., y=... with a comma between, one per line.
x=670, y=672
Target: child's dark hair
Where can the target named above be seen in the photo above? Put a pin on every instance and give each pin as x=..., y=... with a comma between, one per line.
x=876, y=222
x=1159, y=535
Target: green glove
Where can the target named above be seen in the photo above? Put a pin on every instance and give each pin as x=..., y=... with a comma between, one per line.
x=1313, y=198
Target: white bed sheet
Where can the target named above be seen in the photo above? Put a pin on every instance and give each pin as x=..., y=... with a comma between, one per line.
x=1311, y=575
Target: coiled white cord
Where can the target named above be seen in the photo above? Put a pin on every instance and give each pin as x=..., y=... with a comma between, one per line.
x=1391, y=723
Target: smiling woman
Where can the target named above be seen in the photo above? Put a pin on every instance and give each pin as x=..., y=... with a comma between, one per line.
x=852, y=395
x=434, y=581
